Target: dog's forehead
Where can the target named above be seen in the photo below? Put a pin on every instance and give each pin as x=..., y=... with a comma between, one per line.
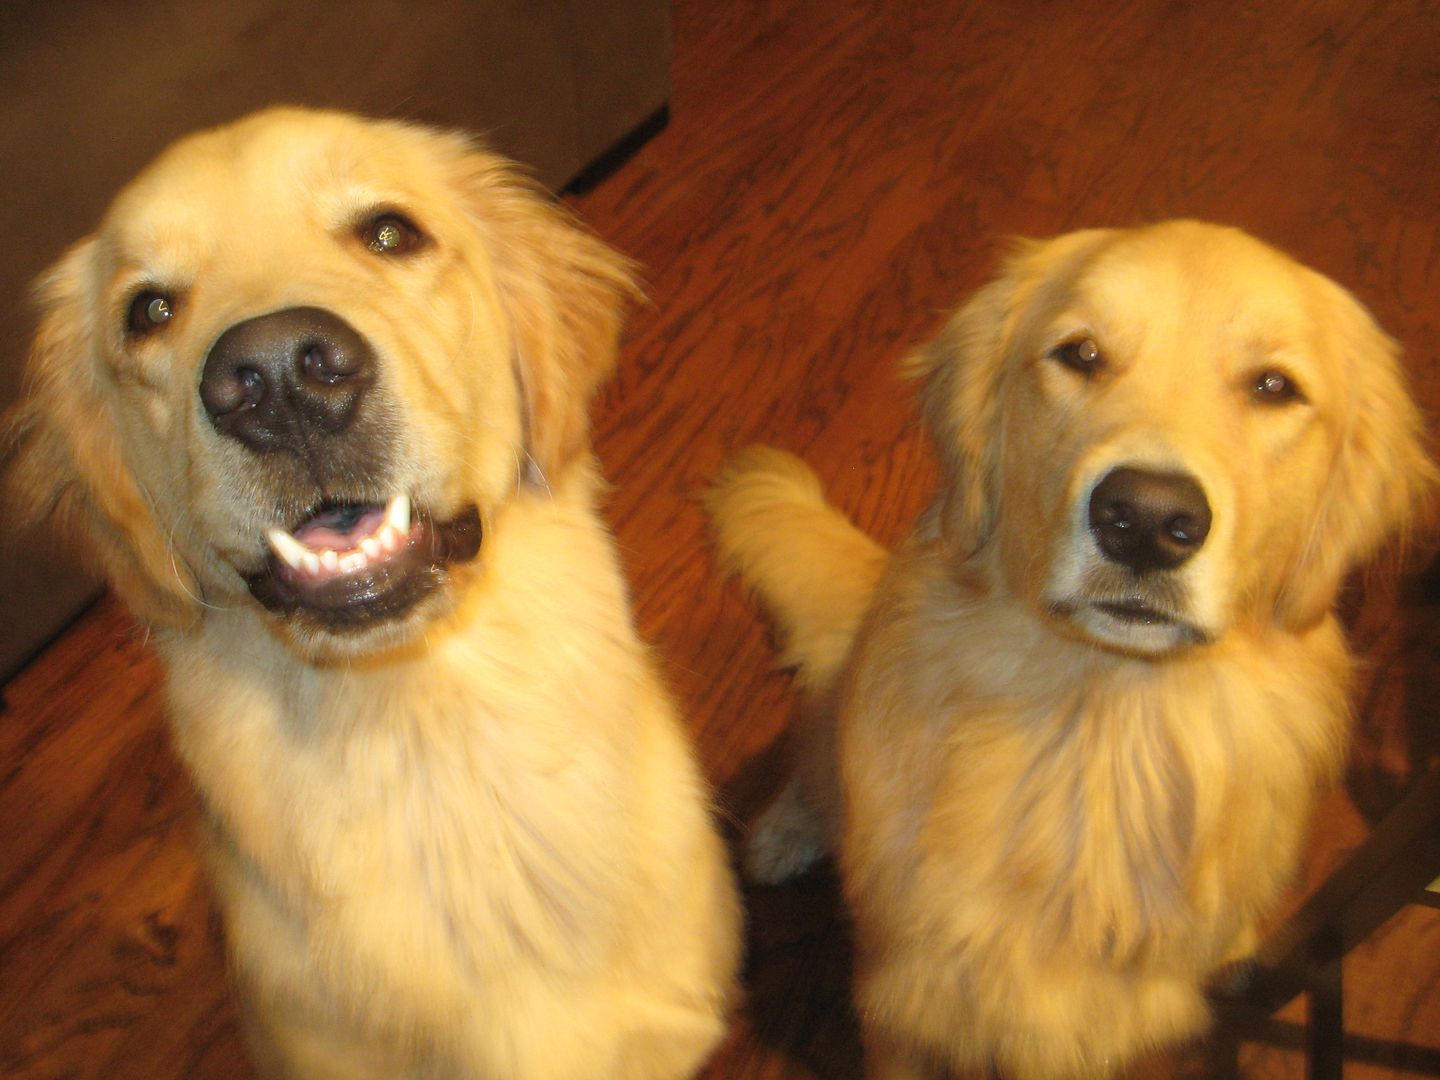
x=288, y=166
x=1196, y=279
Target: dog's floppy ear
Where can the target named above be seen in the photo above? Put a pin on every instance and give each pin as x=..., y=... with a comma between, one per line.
x=960, y=403
x=61, y=460
x=963, y=371
x=565, y=292
x=1382, y=479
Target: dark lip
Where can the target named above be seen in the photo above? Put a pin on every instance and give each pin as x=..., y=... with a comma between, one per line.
x=378, y=593
x=1135, y=611
x=1139, y=613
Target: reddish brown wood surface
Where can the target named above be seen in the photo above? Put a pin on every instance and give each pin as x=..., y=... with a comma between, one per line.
x=835, y=176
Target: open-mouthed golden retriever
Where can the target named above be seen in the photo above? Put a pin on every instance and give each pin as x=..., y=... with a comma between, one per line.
x=1084, y=709
x=314, y=395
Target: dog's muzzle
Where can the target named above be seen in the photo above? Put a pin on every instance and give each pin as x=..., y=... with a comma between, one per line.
x=1127, y=588
x=297, y=387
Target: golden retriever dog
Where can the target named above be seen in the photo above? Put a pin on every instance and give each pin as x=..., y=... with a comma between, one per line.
x=314, y=396
x=1084, y=709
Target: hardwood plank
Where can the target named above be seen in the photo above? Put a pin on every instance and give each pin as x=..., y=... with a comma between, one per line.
x=836, y=176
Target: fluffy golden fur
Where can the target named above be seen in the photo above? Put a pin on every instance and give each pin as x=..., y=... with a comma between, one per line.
x=454, y=826
x=1069, y=789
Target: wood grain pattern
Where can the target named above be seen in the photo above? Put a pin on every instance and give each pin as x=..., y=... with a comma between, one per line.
x=836, y=176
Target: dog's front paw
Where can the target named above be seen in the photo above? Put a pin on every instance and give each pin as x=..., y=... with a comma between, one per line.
x=788, y=838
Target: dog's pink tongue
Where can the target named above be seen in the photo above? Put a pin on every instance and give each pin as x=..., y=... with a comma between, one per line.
x=340, y=529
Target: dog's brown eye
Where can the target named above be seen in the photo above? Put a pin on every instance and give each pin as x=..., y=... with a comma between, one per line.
x=392, y=234
x=1276, y=388
x=1082, y=356
x=149, y=311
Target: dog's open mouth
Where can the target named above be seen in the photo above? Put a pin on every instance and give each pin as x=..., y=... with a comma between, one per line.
x=353, y=564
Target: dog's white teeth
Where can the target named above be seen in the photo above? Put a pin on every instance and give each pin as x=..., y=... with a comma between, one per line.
x=397, y=514
x=290, y=551
x=389, y=538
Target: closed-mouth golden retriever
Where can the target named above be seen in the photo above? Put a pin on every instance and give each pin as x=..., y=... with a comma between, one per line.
x=1085, y=707
x=314, y=396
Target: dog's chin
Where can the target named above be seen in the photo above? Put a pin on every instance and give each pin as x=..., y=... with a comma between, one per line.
x=356, y=578
x=1129, y=625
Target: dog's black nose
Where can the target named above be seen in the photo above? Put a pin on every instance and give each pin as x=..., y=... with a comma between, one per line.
x=277, y=381
x=1147, y=520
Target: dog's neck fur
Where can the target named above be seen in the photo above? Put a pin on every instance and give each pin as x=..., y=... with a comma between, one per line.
x=1130, y=761
x=256, y=722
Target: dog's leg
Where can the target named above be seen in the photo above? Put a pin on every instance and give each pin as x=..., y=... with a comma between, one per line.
x=787, y=838
x=284, y=1046
x=670, y=1040
x=814, y=573
x=887, y=1058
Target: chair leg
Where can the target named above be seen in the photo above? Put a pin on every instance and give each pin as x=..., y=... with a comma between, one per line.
x=1222, y=1056
x=1327, y=1008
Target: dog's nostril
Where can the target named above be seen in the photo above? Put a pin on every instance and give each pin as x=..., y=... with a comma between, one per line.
x=1116, y=515
x=252, y=386
x=221, y=395
x=1184, y=529
x=321, y=367
x=326, y=363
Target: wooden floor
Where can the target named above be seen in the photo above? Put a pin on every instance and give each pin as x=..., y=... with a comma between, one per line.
x=835, y=176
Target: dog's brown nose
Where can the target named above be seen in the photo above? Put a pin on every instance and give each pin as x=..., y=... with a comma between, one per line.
x=277, y=381
x=1147, y=520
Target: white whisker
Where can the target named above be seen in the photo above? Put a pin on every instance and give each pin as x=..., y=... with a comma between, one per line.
x=184, y=579
x=534, y=467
